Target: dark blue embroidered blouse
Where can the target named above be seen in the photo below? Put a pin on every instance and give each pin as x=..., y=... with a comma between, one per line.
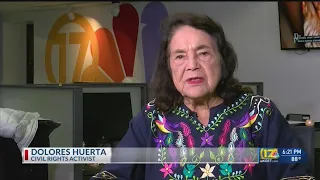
x=251, y=121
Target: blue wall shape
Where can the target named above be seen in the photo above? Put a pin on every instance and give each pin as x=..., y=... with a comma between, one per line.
x=152, y=16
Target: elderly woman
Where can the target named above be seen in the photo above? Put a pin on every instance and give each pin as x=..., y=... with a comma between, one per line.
x=199, y=104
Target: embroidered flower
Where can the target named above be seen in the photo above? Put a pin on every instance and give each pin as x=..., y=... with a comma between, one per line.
x=233, y=135
x=222, y=139
x=190, y=141
x=169, y=139
x=225, y=169
x=206, y=139
x=160, y=140
x=185, y=129
x=207, y=171
x=179, y=141
x=166, y=170
x=249, y=166
x=225, y=131
x=243, y=134
x=227, y=125
x=188, y=170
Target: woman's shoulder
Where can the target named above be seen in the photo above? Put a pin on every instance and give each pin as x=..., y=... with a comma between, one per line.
x=252, y=111
x=147, y=113
x=253, y=101
x=262, y=104
x=248, y=103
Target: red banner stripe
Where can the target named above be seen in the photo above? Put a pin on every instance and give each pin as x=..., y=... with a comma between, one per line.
x=26, y=155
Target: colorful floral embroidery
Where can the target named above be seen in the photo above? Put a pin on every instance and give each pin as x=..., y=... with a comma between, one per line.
x=164, y=125
x=225, y=131
x=169, y=140
x=238, y=105
x=231, y=148
x=160, y=140
x=249, y=166
x=188, y=170
x=243, y=134
x=261, y=107
x=176, y=141
x=225, y=169
x=207, y=171
x=185, y=128
x=190, y=141
x=166, y=170
x=206, y=139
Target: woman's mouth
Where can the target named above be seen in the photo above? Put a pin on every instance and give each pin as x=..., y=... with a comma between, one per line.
x=195, y=80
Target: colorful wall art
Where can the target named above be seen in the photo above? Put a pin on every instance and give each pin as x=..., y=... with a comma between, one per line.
x=79, y=48
x=152, y=16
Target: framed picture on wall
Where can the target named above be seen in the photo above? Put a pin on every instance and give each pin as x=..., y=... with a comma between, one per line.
x=257, y=87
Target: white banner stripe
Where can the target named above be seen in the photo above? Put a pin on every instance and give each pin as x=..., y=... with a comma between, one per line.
x=62, y=155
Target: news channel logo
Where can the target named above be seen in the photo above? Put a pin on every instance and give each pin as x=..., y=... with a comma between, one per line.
x=269, y=155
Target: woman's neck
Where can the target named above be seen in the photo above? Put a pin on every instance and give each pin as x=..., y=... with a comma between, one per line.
x=202, y=104
x=202, y=107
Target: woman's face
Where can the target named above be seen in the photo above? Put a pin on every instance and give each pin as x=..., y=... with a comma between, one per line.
x=194, y=62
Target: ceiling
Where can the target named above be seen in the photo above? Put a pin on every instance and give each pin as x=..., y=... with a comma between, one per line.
x=11, y=7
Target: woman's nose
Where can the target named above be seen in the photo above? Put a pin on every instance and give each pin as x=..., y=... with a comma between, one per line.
x=193, y=64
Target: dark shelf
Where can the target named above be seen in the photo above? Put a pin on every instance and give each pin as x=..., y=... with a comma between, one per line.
x=316, y=125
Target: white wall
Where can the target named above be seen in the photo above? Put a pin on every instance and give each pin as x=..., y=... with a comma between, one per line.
x=14, y=53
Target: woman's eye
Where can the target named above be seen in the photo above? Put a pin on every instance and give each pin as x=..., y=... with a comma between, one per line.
x=204, y=53
x=179, y=57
